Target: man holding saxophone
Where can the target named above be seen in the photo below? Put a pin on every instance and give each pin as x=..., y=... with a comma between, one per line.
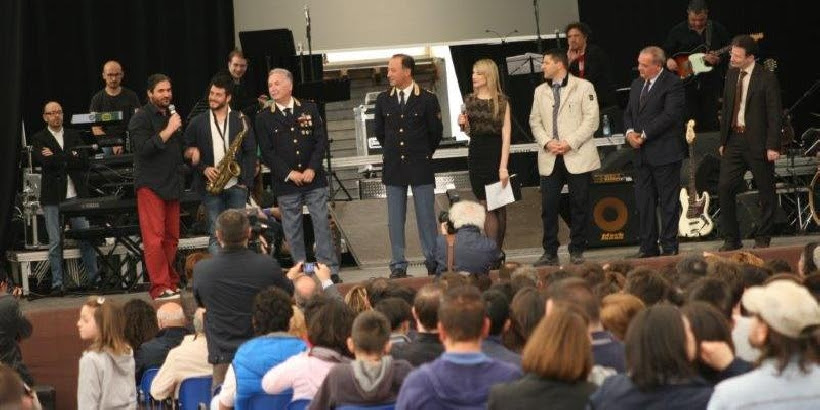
x=222, y=149
x=292, y=141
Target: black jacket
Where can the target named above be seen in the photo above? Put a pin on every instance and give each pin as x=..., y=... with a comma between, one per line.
x=227, y=293
x=534, y=392
x=14, y=327
x=660, y=117
x=762, y=112
x=409, y=137
x=63, y=163
x=157, y=165
x=426, y=347
x=292, y=143
x=153, y=352
x=198, y=134
x=597, y=70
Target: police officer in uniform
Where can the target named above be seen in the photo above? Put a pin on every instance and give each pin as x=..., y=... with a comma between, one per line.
x=292, y=142
x=408, y=126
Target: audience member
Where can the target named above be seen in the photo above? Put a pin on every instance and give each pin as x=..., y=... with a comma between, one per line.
x=472, y=251
x=272, y=310
x=660, y=349
x=426, y=346
x=648, y=285
x=557, y=361
x=526, y=310
x=714, y=292
x=710, y=327
x=152, y=353
x=14, y=327
x=106, y=376
x=140, y=322
x=189, y=359
x=607, y=351
x=690, y=268
x=227, y=293
x=398, y=314
x=812, y=283
x=356, y=299
x=462, y=376
x=329, y=327
x=786, y=328
x=526, y=276
x=778, y=265
x=612, y=283
x=617, y=312
x=809, y=261
x=498, y=312
x=374, y=377
x=306, y=287
x=14, y=393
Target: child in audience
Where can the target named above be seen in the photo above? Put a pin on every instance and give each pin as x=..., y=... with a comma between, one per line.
x=374, y=377
x=106, y=376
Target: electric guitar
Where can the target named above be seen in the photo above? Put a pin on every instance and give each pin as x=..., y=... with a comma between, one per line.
x=694, y=221
x=693, y=63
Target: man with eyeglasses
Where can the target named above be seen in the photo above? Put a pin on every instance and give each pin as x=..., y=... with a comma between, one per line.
x=62, y=181
x=114, y=97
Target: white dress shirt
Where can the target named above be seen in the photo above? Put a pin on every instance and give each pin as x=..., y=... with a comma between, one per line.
x=70, y=189
x=741, y=112
x=221, y=143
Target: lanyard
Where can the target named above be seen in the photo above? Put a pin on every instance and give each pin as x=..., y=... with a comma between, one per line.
x=222, y=131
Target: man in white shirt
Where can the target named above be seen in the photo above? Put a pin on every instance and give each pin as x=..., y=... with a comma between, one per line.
x=62, y=180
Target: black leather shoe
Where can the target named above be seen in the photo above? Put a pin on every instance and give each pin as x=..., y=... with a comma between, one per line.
x=576, y=258
x=398, y=273
x=730, y=246
x=547, y=259
x=643, y=255
x=672, y=252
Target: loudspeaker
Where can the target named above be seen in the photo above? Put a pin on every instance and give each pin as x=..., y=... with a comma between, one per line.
x=748, y=215
x=614, y=215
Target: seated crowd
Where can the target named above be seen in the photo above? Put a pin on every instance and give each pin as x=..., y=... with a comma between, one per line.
x=710, y=331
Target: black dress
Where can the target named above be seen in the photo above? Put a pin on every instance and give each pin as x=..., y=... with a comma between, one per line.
x=484, y=154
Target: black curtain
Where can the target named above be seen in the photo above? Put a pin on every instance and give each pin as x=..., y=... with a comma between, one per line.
x=622, y=28
x=11, y=27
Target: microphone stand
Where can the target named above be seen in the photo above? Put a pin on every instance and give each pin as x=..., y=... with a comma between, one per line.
x=310, y=43
x=540, y=47
x=503, y=74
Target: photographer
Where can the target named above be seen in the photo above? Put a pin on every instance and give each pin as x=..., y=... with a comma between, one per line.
x=471, y=251
x=226, y=284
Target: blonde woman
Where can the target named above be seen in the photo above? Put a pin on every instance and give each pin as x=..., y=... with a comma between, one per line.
x=486, y=119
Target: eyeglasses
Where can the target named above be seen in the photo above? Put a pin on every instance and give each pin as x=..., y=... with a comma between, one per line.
x=113, y=74
x=58, y=112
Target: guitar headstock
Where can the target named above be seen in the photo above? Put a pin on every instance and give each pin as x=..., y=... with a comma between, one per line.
x=770, y=64
x=690, y=132
x=756, y=36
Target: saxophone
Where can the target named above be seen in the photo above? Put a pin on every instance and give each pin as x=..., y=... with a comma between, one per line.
x=228, y=168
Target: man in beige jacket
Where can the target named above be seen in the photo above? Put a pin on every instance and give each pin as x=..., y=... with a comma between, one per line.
x=563, y=118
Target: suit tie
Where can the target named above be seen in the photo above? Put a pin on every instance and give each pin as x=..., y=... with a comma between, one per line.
x=401, y=99
x=287, y=112
x=556, y=96
x=738, y=98
x=644, y=92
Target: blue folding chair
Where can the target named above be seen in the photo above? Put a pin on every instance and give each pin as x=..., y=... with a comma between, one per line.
x=195, y=391
x=270, y=401
x=300, y=404
x=144, y=388
x=385, y=406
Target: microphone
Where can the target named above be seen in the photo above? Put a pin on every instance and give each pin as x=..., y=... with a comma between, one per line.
x=82, y=147
x=172, y=109
x=307, y=14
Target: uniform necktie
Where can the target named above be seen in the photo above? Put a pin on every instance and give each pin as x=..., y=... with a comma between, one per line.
x=401, y=99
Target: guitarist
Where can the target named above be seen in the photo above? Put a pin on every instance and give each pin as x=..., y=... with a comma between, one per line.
x=700, y=34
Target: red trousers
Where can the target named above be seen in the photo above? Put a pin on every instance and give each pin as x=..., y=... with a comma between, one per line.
x=159, y=225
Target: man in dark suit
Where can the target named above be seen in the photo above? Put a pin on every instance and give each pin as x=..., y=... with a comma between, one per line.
x=208, y=137
x=62, y=181
x=293, y=142
x=654, y=128
x=749, y=140
x=408, y=126
x=227, y=293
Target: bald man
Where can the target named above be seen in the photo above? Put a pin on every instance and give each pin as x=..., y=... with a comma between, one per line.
x=62, y=181
x=171, y=321
x=189, y=359
x=114, y=97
